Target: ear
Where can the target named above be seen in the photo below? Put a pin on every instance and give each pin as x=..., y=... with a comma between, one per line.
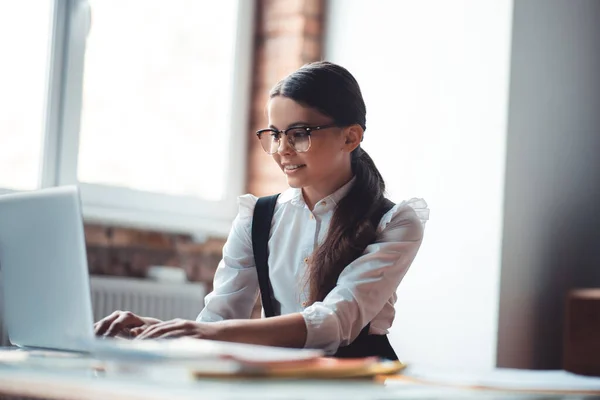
x=353, y=135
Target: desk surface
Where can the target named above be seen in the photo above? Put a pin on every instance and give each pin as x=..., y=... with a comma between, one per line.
x=46, y=383
x=55, y=377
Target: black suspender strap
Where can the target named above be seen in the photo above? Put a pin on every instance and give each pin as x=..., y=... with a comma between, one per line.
x=386, y=205
x=365, y=345
x=261, y=228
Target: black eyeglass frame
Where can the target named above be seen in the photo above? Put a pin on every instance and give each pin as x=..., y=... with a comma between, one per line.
x=307, y=129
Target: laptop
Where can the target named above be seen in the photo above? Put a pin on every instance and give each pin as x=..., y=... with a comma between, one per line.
x=46, y=289
x=43, y=270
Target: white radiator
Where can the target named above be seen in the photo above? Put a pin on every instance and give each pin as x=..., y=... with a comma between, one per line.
x=147, y=298
x=143, y=297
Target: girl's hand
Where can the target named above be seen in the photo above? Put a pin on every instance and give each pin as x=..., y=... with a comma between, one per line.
x=123, y=323
x=180, y=328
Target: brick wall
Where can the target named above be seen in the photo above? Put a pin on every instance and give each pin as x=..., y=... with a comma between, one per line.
x=129, y=252
x=288, y=34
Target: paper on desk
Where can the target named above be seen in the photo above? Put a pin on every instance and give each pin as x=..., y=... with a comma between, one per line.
x=198, y=350
x=510, y=379
x=46, y=358
x=10, y=356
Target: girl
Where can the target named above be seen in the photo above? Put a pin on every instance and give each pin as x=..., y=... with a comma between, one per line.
x=327, y=254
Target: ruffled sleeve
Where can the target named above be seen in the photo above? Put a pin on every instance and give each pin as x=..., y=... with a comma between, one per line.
x=235, y=285
x=415, y=208
x=246, y=204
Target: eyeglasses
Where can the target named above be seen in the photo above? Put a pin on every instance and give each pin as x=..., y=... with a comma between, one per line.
x=298, y=137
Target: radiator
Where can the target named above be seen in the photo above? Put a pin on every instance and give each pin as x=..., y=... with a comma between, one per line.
x=143, y=297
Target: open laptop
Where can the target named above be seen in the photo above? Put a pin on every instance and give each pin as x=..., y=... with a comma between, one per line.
x=46, y=289
x=43, y=270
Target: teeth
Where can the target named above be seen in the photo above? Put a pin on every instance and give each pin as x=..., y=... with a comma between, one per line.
x=292, y=167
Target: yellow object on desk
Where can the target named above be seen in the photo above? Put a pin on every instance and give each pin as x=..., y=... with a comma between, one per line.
x=319, y=368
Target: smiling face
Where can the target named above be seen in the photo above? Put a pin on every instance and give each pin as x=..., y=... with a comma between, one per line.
x=326, y=165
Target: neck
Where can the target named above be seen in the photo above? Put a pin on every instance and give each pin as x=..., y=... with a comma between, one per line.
x=314, y=193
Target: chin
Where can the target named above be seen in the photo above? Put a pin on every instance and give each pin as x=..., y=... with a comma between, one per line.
x=295, y=183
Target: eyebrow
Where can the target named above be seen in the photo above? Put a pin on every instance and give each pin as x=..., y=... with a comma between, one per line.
x=297, y=123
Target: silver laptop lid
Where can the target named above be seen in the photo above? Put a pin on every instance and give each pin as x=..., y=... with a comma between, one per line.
x=43, y=269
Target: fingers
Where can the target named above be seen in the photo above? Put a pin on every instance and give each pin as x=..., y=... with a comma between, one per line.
x=160, y=329
x=101, y=326
x=123, y=323
x=174, y=334
x=134, y=332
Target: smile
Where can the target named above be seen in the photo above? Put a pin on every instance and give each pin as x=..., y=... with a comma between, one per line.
x=292, y=168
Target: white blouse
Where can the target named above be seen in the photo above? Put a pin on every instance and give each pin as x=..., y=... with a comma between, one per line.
x=365, y=291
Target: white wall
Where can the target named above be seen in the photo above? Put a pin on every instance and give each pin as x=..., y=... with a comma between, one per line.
x=552, y=223
x=434, y=75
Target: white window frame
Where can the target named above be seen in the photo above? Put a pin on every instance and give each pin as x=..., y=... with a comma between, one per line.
x=126, y=207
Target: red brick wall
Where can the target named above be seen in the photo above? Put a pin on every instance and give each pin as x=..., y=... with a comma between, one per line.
x=288, y=34
x=129, y=252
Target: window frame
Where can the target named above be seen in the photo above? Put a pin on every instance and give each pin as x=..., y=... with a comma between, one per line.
x=105, y=204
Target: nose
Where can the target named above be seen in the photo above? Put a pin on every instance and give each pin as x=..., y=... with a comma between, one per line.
x=284, y=146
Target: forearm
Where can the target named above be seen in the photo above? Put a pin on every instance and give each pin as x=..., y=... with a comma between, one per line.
x=282, y=331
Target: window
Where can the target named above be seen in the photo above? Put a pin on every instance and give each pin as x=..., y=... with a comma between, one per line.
x=23, y=95
x=148, y=114
x=173, y=94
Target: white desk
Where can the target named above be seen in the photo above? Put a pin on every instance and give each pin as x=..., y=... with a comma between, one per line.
x=71, y=385
x=75, y=378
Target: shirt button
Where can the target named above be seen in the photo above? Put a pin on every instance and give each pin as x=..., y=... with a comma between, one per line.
x=312, y=216
x=323, y=203
x=306, y=260
x=304, y=303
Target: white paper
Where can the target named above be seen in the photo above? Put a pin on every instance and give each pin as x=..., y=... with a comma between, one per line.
x=512, y=379
x=197, y=349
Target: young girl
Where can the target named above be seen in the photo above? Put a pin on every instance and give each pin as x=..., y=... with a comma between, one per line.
x=327, y=254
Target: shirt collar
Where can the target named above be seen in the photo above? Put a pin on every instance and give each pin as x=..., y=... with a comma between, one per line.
x=294, y=195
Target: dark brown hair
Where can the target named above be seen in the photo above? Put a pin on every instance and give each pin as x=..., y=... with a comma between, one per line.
x=333, y=91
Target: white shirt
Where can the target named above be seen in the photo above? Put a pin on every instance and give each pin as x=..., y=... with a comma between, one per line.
x=365, y=291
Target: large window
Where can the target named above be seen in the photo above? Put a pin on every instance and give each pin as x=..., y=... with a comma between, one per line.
x=142, y=103
x=23, y=81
